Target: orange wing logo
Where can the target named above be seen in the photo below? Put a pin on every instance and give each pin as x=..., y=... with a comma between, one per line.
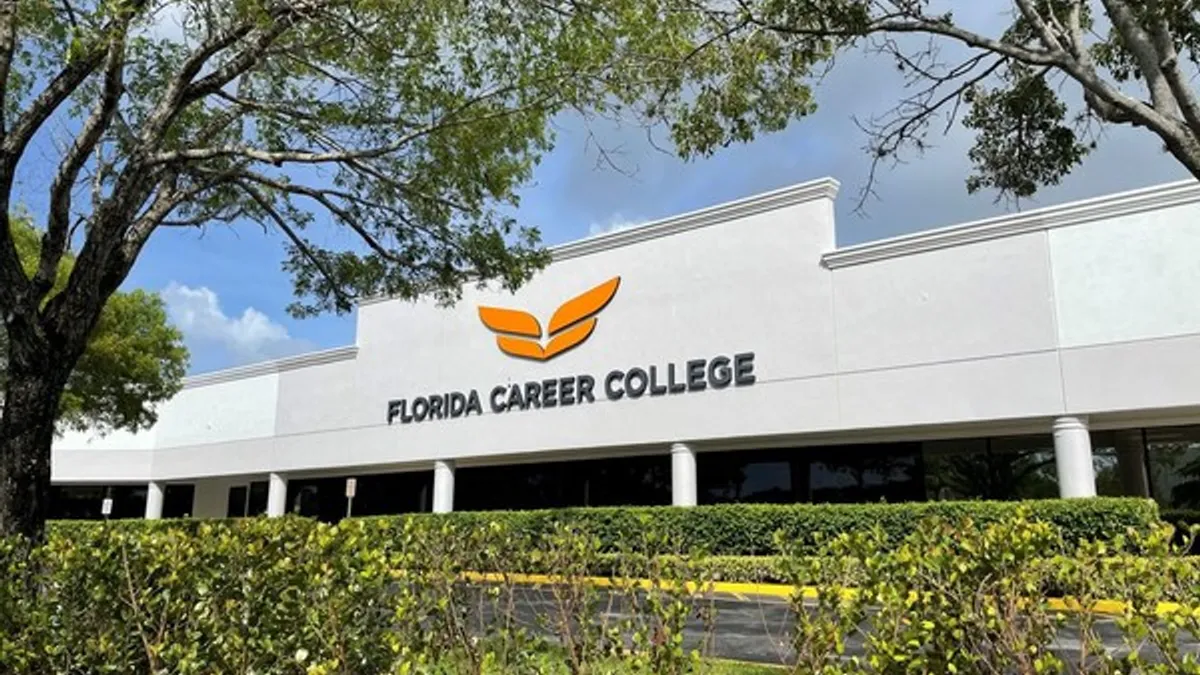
x=519, y=334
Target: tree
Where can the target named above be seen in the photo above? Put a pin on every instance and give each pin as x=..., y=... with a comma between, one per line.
x=409, y=124
x=1034, y=92
x=134, y=358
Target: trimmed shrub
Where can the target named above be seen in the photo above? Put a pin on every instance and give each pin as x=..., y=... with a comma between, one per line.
x=1183, y=519
x=292, y=595
x=750, y=529
x=375, y=595
x=968, y=598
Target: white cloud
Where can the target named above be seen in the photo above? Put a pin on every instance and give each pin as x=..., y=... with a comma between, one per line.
x=615, y=223
x=253, y=336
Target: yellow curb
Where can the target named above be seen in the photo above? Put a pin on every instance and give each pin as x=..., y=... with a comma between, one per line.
x=741, y=590
x=1112, y=607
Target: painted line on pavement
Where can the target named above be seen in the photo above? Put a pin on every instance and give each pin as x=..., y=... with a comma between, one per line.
x=744, y=590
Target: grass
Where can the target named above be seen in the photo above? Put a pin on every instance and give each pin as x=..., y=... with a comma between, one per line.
x=549, y=661
x=710, y=667
x=723, y=667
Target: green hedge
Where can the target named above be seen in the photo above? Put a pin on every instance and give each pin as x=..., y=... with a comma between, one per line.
x=1182, y=518
x=749, y=529
x=382, y=595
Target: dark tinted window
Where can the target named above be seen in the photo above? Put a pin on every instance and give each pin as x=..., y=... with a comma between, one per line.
x=385, y=493
x=256, y=502
x=755, y=476
x=848, y=473
x=957, y=469
x=603, y=482
x=177, y=500
x=1119, y=458
x=1005, y=468
x=1174, y=456
x=84, y=502
x=235, y=505
x=1024, y=467
x=375, y=494
x=129, y=501
x=76, y=502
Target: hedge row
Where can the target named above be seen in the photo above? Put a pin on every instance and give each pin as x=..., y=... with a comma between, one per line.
x=385, y=595
x=749, y=529
x=1182, y=518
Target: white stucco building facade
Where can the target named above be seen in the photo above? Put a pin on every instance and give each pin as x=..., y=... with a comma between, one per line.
x=729, y=354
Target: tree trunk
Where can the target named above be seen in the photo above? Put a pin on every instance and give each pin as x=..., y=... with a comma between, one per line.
x=36, y=380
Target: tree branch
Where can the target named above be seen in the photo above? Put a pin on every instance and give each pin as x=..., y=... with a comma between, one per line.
x=12, y=277
x=169, y=197
x=172, y=99
x=240, y=63
x=1075, y=31
x=54, y=242
x=1032, y=16
x=277, y=157
x=8, y=45
x=66, y=82
x=299, y=243
x=912, y=115
x=968, y=38
x=1140, y=46
x=322, y=197
x=917, y=23
x=224, y=215
x=1168, y=62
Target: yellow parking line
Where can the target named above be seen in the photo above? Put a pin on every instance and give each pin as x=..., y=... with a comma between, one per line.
x=743, y=591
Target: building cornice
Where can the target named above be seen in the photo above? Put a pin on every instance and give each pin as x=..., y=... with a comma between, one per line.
x=823, y=188
x=1062, y=215
x=272, y=367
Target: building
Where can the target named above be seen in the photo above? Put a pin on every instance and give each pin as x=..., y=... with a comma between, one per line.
x=729, y=354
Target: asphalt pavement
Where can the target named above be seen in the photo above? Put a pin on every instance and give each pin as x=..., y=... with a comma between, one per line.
x=758, y=629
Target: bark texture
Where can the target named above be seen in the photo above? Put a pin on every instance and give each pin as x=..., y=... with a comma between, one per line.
x=37, y=377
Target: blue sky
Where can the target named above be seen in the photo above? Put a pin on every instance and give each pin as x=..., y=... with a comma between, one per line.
x=225, y=289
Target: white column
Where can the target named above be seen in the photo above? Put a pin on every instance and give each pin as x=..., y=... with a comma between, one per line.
x=1073, y=458
x=683, y=475
x=154, y=500
x=443, y=486
x=276, y=495
x=1131, y=463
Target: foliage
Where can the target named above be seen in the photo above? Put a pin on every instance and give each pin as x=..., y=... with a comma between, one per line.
x=570, y=558
x=1183, y=519
x=372, y=595
x=1177, y=516
x=134, y=357
x=1159, y=589
x=384, y=142
x=659, y=609
x=1035, y=84
x=750, y=529
x=959, y=596
x=409, y=124
x=294, y=596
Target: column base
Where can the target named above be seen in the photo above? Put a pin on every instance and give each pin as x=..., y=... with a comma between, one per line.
x=1073, y=458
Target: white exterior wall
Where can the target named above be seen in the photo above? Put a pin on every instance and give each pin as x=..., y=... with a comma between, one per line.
x=1084, y=309
x=962, y=334
x=211, y=499
x=232, y=410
